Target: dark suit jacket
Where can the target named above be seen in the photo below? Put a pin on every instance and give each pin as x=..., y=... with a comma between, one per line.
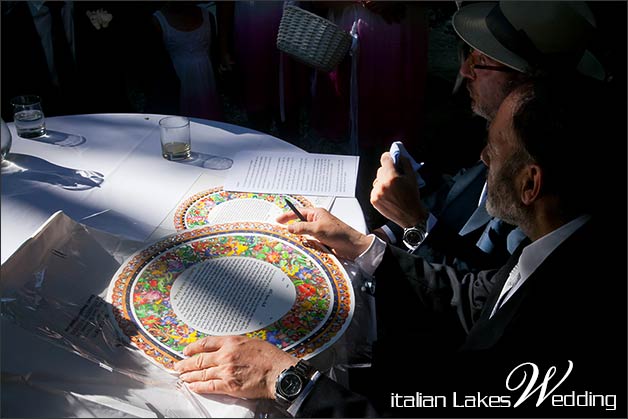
x=572, y=308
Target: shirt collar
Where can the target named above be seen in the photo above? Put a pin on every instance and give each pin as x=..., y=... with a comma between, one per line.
x=535, y=253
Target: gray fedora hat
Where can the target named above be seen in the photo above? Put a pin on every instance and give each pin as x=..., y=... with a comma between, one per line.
x=531, y=36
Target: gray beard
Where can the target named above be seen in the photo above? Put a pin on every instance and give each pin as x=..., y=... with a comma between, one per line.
x=503, y=204
x=483, y=113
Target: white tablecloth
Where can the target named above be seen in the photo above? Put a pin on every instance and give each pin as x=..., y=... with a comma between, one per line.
x=106, y=171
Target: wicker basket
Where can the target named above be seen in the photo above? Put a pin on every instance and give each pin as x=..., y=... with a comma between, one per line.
x=311, y=39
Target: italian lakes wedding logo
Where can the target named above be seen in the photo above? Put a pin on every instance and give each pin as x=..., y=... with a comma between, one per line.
x=527, y=386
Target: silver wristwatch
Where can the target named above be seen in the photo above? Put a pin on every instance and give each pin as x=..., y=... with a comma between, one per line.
x=413, y=236
x=292, y=382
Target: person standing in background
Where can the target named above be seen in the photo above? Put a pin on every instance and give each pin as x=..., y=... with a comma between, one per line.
x=74, y=55
x=269, y=85
x=188, y=34
x=38, y=51
x=391, y=72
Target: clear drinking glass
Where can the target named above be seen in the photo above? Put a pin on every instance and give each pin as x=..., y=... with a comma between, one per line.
x=28, y=116
x=175, y=137
x=5, y=139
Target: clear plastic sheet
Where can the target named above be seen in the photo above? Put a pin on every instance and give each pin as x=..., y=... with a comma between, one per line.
x=61, y=346
x=353, y=349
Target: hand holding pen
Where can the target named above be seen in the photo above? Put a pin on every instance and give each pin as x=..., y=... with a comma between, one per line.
x=330, y=231
x=295, y=210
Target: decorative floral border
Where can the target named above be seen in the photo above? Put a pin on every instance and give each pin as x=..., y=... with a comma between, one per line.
x=140, y=290
x=192, y=213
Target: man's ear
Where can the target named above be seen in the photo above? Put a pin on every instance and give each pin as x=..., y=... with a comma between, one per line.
x=532, y=179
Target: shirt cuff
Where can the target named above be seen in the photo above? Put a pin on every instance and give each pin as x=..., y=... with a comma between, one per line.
x=430, y=223
x=389, y=234
x=370, y=259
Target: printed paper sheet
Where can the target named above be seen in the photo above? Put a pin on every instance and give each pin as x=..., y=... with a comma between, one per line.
x=308, y=174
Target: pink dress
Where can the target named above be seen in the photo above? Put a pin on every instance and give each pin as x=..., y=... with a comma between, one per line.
x=256, y=24
x=391, y=72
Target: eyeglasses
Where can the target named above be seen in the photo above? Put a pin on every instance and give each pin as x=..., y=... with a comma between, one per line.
x=479, y=62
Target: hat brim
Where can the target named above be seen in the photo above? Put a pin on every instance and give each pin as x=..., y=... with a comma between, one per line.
x=470, y=24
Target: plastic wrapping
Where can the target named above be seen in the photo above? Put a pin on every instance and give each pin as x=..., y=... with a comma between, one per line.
x=60, y=343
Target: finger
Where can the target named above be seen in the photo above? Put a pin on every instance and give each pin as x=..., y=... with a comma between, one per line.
x=206, y=374
x=374, y=198
x=387, y=163
x=209, y=387
x=309, y=213
x=380, y=173
x=207, y=344
x=386, y=158
x=286, y=216
x=196, y=363
x=300, y=228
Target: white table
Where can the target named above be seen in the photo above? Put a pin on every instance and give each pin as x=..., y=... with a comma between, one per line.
x=117, y=180
x=106, y=171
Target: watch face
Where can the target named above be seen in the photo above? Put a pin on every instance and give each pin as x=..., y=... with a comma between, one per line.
x=413, y=237
x=290, y=384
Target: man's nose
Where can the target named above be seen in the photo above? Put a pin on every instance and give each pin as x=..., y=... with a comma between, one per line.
x=465, y=69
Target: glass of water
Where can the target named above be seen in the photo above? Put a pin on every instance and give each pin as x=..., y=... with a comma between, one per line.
x=28, y=116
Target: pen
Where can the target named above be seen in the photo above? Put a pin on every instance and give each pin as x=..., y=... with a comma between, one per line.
x=295, y=210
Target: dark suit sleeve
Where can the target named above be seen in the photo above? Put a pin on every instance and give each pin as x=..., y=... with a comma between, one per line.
x=444, y=245
x=427, y=298
x=415, y=300
x=329, y=399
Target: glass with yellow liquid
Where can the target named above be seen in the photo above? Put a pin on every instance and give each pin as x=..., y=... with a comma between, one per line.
x=175, y=138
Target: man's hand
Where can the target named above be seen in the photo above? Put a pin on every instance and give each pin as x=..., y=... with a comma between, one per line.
x=235, y=365
x=395, y=195
x=345, y=241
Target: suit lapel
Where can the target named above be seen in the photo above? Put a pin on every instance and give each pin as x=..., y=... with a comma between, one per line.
x=464, y=181
x=462, y=199
x=486, y=331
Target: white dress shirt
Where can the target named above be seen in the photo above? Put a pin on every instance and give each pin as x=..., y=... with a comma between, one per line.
x=535, y=253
